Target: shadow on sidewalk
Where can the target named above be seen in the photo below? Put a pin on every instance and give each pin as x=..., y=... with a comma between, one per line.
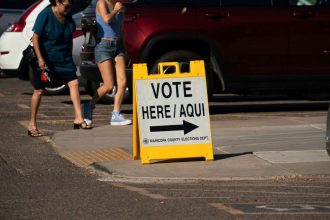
x=216, y=157
x=225, y=156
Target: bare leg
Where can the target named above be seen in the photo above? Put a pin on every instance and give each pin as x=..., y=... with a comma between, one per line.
x=121, y=82
x=75, y=98
x=107, y=73
x=35, y=103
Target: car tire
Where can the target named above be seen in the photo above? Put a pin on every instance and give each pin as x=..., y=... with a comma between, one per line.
x=59, y=90
x=109, y=97
x=184, y=57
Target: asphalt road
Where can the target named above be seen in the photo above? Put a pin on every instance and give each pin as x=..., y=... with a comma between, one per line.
x=35, y=183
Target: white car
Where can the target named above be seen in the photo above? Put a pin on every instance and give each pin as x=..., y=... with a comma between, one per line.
x=17, y=37
x=10, y=11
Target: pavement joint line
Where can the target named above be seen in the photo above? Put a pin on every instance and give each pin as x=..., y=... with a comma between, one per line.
x=271, y=139
x=282, y=167
x=269, y=142
x=266, y=135
x=286, y=157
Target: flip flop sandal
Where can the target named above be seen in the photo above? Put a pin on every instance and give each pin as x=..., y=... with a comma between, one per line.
x=82, y=125
x=34, y=133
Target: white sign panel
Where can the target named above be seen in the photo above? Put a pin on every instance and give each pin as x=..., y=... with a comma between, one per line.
x=173, y=111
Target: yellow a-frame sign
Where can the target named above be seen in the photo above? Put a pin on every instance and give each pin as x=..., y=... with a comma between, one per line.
x=170, y=113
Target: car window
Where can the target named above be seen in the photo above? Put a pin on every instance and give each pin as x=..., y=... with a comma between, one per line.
x=246, y=3
x=79, y=5
x=93, y=3
x=16, y=4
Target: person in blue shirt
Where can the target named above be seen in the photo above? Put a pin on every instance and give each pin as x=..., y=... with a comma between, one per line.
x=52, y=41
x=110, y=54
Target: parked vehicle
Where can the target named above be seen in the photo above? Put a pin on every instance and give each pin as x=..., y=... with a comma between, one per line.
x=10, y=11
x=17, y=37
x=278, y=46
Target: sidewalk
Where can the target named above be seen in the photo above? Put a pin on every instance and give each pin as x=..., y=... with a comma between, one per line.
x=109, y=149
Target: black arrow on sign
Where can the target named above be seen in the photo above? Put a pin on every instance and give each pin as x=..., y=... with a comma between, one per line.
x=186, y=127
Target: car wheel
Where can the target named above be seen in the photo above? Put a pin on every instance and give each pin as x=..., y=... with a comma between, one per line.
x=184, y=57
x=50, y=91
x=109, y=97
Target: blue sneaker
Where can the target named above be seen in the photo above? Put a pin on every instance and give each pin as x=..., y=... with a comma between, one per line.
x=118, y=119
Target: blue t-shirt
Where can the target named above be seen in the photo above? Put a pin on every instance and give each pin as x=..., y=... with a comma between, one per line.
x=55, y=40
x=111, y=30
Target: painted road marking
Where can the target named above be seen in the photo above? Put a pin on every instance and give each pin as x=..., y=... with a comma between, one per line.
x=227, y=208
x=23, y=106
x=274, y=208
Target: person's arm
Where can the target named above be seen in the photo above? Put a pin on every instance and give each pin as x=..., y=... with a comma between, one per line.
x=36, y=46
x=38, y=30
x=107, y=17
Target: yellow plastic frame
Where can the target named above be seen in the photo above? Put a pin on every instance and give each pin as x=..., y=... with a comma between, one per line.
x=146, y=154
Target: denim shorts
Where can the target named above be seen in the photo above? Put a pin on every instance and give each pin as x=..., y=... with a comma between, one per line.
x=108, y=49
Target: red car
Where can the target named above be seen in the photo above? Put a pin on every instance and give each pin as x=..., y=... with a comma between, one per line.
x=254, y=45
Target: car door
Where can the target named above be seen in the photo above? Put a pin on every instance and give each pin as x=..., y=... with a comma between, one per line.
x=309, y=37
x=153, y=21
x=251, y=37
